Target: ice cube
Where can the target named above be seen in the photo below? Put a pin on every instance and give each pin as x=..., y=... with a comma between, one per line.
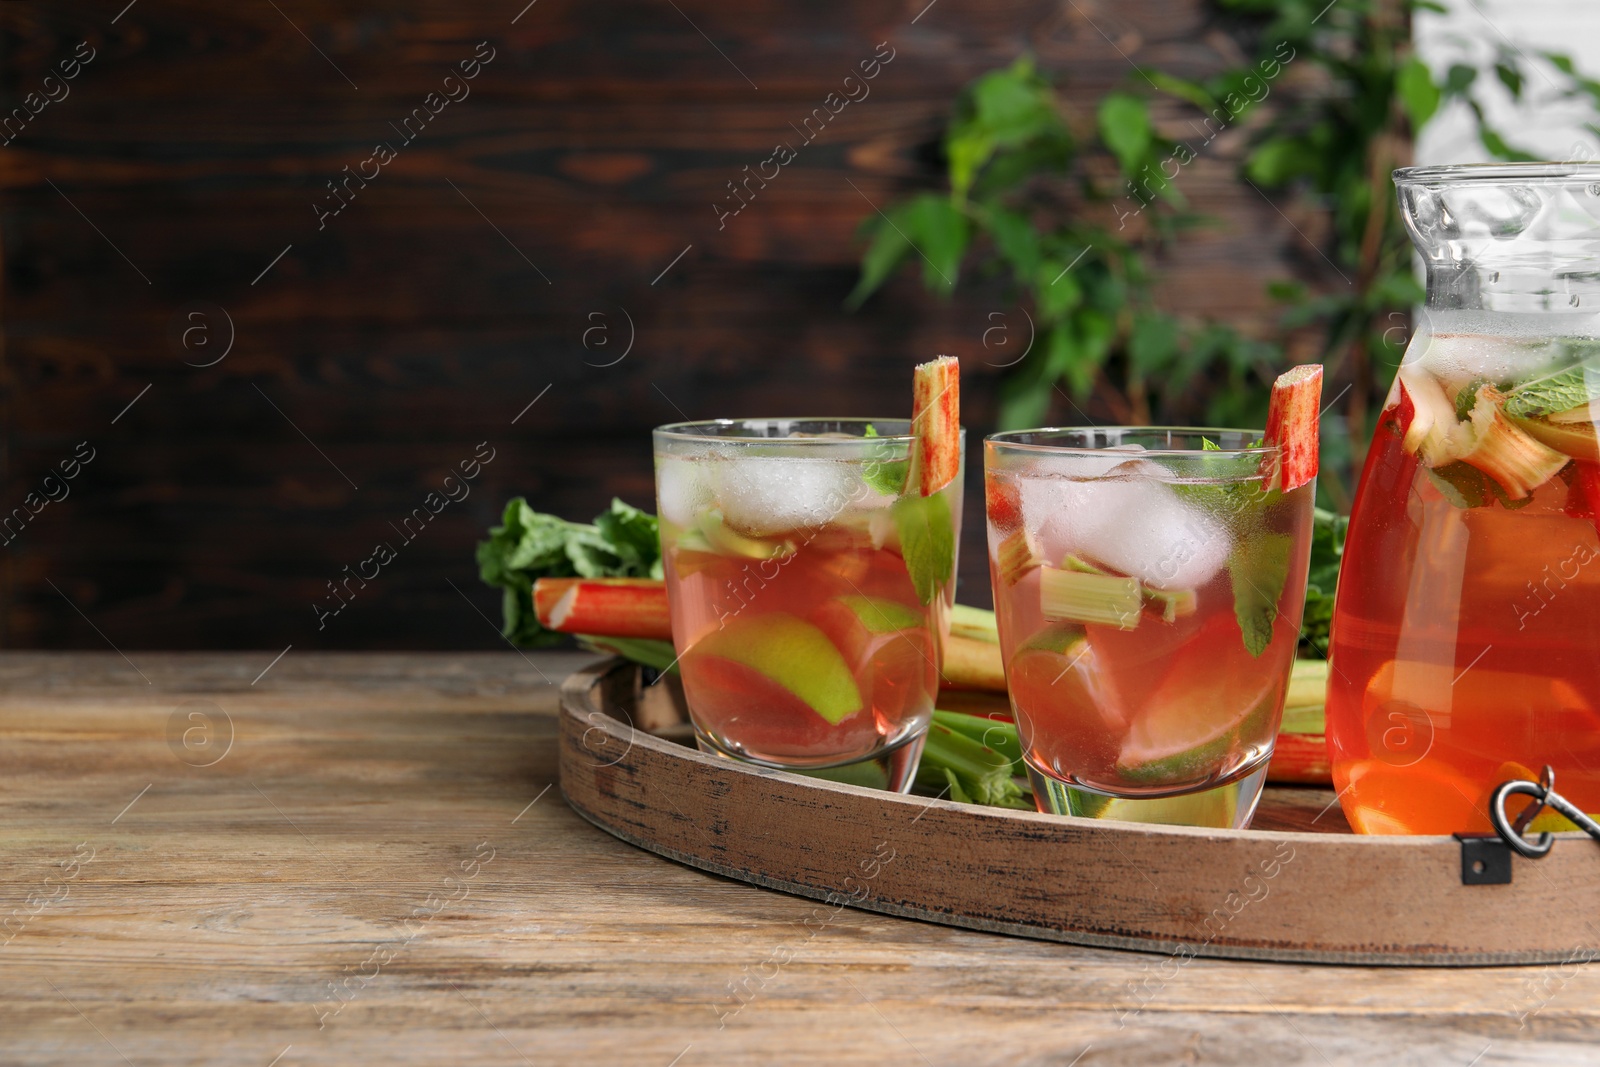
x=1054, y=509
x=1144, y=529
x=1135, y=526
x=1052, y=513
x=683, y=489
x=769, y=495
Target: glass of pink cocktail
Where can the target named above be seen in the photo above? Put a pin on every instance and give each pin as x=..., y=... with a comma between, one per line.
x=810, y=571
x=1148, y=590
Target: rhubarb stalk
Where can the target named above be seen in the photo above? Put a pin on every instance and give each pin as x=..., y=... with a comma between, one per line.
x=637, y=607
x=936, y=424
x=608, y=607
x=1292, y=424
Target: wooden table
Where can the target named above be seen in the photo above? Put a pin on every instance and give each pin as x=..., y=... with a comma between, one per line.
x=379, y=868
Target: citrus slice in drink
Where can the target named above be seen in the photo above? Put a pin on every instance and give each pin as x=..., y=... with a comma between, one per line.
x=775, y=685
x=792, y=656
x=1071, y=717
x=886, y=643
x=1201, y=713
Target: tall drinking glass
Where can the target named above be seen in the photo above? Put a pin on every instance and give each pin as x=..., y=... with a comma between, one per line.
x=809, y=585
x=1467, y=629
x=1148, y=586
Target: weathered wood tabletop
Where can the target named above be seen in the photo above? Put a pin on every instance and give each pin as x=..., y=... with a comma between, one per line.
x=366, y=858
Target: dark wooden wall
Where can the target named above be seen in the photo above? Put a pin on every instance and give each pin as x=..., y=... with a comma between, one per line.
x=372, y=357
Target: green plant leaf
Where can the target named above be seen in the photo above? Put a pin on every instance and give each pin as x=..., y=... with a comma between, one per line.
x=1459, y=79
x=1003, y=109
x=1498, y=147
x=1017, y=240
x=927, y=541
x=1418, y=95
x=1464, y=485
x=886, y=251
x=1153, y=345
x=1182, y=88
x=1024, y=402
x=966, y=151
x=1327, y=549
x=1055, y=291
x=1125, y=129
x=1511, y=77
x=633, y=536
x=1278, y=161
x=939, y=231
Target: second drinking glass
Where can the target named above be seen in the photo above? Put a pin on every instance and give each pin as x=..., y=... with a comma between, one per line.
x=1148, y=587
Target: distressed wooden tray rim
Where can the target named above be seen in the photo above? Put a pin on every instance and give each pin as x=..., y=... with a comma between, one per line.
x=615, y=776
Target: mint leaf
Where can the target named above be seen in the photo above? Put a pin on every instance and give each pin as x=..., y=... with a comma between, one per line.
x=887, y=478
x=1464, y=485
x=1564, y=390
x=927, y=542
x=1467, y=399
x=1259, y=568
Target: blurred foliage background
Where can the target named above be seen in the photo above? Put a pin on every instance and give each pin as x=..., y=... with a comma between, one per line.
x=1076, y=209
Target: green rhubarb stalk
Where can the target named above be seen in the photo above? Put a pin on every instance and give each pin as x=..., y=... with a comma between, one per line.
x=1170, y=604
x=967, y=770
x=1089, y=596
x=993, y=733
x=976, y=623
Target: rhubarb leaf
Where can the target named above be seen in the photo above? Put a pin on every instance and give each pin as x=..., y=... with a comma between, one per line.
x=927, y=542
x=622, y=542
x=1259, y=568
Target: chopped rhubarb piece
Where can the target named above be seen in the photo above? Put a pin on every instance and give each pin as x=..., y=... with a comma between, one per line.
x=1014, y=557
x=1084, y=596
x=610, y=607
x=967, y=663
x=936, y=424
x=1292, y=424
x=1432, y=433
x=1509, y=455
x=1301, y=759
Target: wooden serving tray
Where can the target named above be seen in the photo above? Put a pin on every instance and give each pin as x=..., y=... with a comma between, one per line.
x=1296, y=887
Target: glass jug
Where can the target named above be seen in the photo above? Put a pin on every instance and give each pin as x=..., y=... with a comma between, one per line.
x=1466, y=638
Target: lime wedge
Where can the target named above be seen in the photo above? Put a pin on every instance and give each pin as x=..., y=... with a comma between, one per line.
x=721, y=538
x=1192, y=723
x=881, y=615
x=793, y=655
